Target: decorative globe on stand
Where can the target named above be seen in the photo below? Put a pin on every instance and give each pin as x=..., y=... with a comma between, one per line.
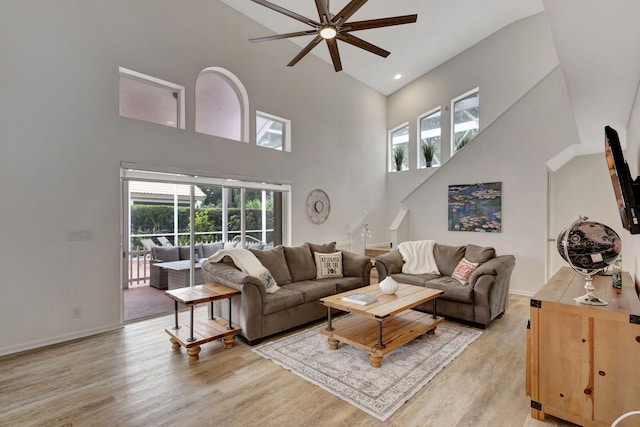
x=589, y=247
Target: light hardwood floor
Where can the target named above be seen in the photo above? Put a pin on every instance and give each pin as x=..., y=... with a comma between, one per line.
x=132, y=377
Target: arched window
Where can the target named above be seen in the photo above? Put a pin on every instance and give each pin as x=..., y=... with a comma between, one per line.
x=222, y=105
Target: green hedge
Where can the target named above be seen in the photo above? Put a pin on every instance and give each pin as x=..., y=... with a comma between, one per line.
x=158, y=219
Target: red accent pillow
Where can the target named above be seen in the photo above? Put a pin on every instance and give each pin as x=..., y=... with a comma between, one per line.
x=463, y=270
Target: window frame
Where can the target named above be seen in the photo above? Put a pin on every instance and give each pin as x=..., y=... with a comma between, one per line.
x=286, y=130
x=467, y=94
x=163, y=84
x=406, y=159
x=420, y=157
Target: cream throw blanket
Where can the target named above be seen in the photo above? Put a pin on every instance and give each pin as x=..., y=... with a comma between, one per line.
x=418, y=257
x=248, y=263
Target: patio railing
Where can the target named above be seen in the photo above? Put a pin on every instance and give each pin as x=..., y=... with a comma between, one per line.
x=139, y=266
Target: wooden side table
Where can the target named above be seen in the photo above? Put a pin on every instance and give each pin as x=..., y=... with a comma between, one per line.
x=582, y=359
x=193, y=335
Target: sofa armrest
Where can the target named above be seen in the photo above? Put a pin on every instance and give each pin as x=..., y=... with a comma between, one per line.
x=389, y=263
x=229, y=275
x=494, y=267
x=490, y=284
x=356, y=265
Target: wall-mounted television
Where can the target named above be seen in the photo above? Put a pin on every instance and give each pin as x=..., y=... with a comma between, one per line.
x=626, y=189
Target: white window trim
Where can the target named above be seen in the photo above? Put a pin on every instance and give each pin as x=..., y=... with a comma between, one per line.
x=390, y=162
x=162, y=84
x=453, y=102
x=237, y=85
x=286, y=141
x=419, y=136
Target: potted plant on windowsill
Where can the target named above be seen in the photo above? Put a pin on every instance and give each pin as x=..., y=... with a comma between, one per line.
x=398, y=156
x=428, y=151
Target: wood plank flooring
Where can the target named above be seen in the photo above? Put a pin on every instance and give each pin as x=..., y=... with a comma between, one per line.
x=132, y=377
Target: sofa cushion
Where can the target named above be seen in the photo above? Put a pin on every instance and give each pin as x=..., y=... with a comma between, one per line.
x=185, y=251
x=328, y=265
x=453, y=289
x=313, y=290
x=281, y=300
x=463, y=270
x=479, y=254
x=274, y=261
x=209, y=249
x=344, y=284
x=448, y=257
x=325, y=248
x=165, y=253
x=300, y=262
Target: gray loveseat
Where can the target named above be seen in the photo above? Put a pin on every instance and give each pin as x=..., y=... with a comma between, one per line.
x=480, y=300
x=260, y=314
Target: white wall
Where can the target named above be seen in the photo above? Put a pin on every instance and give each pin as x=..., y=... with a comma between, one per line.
x=525, y=119
x=512, y=150
x=631, y=246
x=504, y=66
x=581, y=187
x=62, y=143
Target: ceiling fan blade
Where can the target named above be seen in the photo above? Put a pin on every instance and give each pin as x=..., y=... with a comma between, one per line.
x=355, y=41
x=284, y=36
x=378, y=23
x=347, y=11
x=304, y=51
x=323, y=11
x=287, y=12
x=335, y=55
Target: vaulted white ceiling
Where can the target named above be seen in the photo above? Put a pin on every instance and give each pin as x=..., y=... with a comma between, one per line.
x=597, y=42
x=443, y=30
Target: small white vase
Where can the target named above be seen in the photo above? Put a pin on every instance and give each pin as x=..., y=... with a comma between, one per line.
x=388, y=285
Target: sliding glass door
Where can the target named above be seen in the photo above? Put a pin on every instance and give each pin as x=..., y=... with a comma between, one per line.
x=169, y=215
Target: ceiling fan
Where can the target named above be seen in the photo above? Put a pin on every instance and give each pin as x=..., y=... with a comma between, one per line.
x=330, y=28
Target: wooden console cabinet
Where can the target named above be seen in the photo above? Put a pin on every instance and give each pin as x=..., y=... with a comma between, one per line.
x=583, y=362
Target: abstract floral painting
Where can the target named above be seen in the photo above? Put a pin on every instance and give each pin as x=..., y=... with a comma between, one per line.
x=476, y=207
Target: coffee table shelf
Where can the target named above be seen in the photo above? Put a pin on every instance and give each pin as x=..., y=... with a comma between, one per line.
x=383, y=325
x=362, y=333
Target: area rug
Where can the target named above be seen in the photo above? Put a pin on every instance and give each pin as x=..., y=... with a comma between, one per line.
x=347, y=373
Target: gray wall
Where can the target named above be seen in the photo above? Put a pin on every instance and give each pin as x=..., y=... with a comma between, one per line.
x=62, y=143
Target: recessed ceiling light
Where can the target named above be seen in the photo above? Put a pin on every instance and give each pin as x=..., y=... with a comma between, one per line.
x=397, y=76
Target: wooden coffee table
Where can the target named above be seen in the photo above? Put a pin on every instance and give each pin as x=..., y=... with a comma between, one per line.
x=384, y=325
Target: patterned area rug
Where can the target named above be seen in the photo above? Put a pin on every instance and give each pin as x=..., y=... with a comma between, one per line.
x=347, y=373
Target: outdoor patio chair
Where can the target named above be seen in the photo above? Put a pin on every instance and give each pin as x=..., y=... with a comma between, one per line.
x=164, y=241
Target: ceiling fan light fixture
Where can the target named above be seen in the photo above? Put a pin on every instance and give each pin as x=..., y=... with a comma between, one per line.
x=328, y=32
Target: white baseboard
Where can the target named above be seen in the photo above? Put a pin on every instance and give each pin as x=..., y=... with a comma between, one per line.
x=4, y=351
x=520, y=292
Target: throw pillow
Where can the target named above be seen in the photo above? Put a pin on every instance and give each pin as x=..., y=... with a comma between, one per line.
x=328, y=265
x=463, y=270
x=479, y=254
x=300, y=262
x=165, y=253
x=274, y=261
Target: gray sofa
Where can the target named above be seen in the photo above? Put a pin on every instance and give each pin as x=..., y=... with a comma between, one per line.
x=478, y=301
x=260, y=314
